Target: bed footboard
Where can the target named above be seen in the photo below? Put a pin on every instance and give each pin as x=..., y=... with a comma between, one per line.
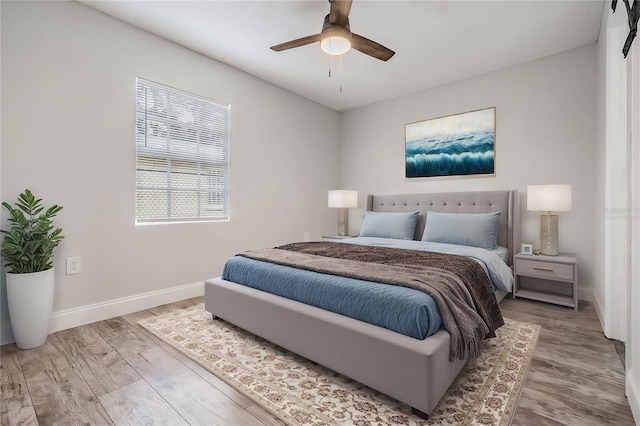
x=415, y=372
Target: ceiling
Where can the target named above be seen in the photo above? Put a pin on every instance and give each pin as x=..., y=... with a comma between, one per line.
x=436, y=42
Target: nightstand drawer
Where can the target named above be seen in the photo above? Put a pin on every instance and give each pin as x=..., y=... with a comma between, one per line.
x=544, y=269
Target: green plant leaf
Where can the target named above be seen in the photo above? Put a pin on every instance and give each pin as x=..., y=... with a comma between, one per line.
x=29, y=242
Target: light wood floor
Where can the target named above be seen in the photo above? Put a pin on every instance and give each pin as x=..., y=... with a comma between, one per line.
x=115, y=372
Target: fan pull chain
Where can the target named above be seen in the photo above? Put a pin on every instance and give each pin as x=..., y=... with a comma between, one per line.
x=341, y=73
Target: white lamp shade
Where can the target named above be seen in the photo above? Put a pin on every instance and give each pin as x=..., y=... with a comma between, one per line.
x=546, y=198
x=343, y=199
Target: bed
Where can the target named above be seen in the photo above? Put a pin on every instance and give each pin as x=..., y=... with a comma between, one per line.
x=415, y=372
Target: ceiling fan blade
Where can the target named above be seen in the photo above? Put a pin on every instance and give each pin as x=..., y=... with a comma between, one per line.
x=339, y=13
x=296, y=43
x=371, y=48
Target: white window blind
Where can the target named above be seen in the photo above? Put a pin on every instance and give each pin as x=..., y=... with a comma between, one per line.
x=182, y=156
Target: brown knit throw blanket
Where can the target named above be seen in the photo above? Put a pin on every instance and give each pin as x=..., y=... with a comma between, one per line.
x=459, y=285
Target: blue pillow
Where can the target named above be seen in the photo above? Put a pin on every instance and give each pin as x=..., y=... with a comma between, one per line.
x=466, y=229
x=389, y=225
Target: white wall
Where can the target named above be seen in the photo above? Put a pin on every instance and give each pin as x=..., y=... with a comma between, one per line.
x=599, y=295
x=633, y=301
x=613, y=171
x=618, y=123
x=545, y=113
x=68, y=80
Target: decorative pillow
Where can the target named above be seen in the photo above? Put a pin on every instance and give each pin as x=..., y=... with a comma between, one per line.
x=389, y=225
x=467, y=229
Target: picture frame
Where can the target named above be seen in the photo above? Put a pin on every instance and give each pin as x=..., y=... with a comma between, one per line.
x=455, y=145
x=526, y=248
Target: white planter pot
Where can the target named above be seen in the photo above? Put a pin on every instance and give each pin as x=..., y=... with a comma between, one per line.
x=30, y=299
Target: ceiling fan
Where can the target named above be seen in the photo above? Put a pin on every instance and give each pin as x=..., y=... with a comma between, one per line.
x=336, y=37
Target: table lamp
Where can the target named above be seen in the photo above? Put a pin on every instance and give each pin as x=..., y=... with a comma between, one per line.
x=343, y=200
x=548, y=198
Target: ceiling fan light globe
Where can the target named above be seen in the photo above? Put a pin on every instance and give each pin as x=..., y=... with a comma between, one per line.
x=335, y=39
x=335, y=45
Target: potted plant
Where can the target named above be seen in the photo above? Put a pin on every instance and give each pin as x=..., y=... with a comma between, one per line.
x=28, y=251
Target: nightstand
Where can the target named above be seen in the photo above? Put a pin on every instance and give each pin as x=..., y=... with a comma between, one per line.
x=336, y=237
x=551, y=279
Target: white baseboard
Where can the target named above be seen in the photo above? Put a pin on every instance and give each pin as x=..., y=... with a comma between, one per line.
x=63, y=320
x=597, y=304
x=633, y=394
x=586, y=294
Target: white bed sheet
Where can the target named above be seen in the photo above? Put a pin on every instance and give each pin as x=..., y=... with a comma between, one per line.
x=502, y=252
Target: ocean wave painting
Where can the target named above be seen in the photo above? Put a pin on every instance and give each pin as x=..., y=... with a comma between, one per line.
x=461, y=144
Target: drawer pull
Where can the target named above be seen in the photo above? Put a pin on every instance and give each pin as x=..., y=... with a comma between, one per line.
x=543, y=269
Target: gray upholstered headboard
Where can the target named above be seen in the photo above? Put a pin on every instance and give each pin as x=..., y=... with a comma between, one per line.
x=505, y=201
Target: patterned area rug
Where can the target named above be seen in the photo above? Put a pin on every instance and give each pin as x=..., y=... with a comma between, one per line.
x=301, y=392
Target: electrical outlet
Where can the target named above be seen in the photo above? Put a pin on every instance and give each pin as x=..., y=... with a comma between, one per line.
x=74, y=265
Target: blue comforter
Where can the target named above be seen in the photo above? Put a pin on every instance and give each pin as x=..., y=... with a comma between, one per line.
x=401, y=309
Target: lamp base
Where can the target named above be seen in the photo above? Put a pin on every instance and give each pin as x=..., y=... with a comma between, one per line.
x=549, y=234
x=343, y=222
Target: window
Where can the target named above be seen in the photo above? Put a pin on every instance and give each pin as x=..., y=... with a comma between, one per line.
x=182, y=156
